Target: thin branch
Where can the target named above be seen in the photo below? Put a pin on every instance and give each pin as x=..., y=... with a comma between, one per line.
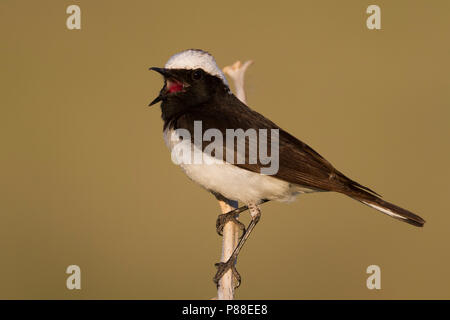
x=237, y=73
x=230, y=238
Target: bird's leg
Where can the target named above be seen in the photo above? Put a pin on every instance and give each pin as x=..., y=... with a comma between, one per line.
x=230, y=216
x=223, y=267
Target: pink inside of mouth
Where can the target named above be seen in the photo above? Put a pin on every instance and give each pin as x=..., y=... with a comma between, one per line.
x=174, y=86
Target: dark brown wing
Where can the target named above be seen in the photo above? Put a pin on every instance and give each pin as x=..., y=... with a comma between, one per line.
x=298, y=163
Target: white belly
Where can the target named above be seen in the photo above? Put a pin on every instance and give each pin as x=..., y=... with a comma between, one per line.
x=233, y=182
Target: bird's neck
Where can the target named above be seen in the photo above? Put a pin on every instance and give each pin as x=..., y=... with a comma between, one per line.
x=170, y=111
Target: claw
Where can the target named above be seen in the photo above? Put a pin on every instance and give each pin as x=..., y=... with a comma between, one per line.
x=222, y=268
x=224, y=218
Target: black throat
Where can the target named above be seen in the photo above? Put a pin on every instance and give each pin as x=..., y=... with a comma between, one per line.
x=198, y=99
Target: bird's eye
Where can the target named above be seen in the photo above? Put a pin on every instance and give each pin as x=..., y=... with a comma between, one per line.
x=197, y=74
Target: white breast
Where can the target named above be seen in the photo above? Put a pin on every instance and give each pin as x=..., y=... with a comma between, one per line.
x=233, y=182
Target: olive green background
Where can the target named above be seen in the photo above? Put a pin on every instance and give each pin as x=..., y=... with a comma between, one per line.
x=86, y=178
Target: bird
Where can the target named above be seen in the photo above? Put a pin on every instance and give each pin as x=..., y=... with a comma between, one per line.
x=196, y=91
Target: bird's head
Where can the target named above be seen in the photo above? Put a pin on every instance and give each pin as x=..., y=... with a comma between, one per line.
x=190, y=78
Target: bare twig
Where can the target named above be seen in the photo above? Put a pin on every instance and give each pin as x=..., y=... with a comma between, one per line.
x=230, y=238
x=237, y=73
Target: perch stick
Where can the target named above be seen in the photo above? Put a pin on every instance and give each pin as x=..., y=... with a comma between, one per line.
x=230, y=238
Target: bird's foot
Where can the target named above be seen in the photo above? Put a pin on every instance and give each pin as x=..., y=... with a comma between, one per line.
x=223, y=267
x=226, y=217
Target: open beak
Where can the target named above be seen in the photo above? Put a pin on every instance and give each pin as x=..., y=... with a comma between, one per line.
x=165, y=74
x=156, y=100
x=171, y=84
x=163, y=71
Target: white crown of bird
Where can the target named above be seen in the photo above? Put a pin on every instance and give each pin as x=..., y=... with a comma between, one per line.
x=193, y=59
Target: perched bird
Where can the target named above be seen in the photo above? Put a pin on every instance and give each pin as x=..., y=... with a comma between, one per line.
x=196, y=90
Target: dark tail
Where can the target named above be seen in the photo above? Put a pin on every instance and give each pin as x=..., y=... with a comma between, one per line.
x=386, y=207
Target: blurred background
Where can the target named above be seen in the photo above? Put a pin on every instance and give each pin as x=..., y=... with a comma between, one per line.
x=87, y=180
